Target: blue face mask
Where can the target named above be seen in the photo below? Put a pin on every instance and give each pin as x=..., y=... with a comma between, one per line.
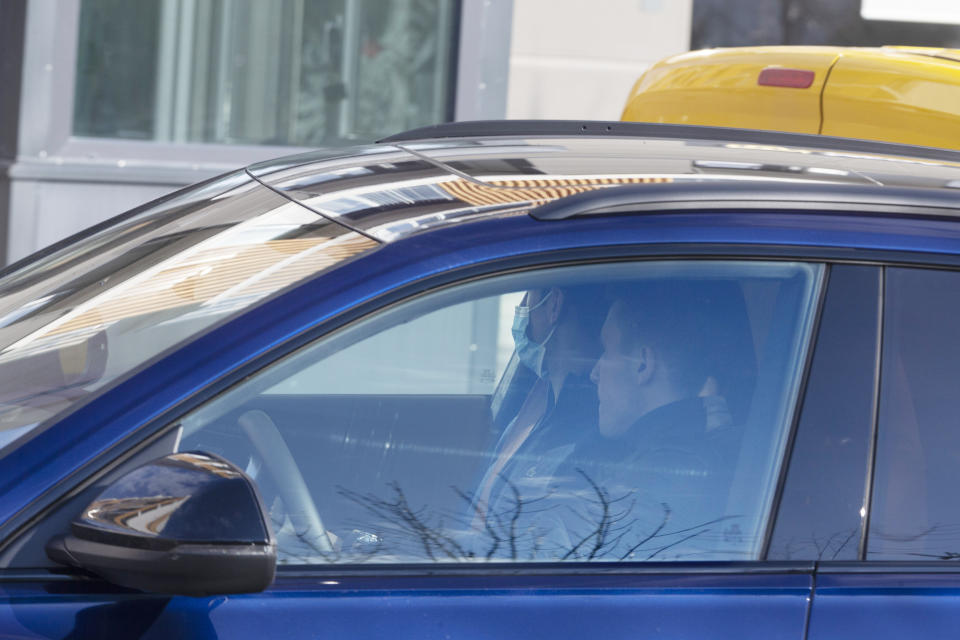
x=529, y=352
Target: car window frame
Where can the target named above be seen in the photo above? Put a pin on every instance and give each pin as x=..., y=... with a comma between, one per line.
x=159, y=427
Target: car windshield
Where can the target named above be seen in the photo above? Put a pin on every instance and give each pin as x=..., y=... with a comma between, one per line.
x=85, y=314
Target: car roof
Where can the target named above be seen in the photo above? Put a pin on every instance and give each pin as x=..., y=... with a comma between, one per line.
x=454, y=173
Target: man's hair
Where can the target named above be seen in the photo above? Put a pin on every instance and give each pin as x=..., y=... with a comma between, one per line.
x=699, y=328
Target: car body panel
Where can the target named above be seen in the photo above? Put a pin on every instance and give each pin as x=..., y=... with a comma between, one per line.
x=881, y=95
x=885, y=604
x=438, y=607
x=899, y=94
x=718, y=87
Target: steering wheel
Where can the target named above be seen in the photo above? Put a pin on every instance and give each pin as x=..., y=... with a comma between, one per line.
x=263, y=433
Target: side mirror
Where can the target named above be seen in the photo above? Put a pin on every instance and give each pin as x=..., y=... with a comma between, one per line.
x=186, y=524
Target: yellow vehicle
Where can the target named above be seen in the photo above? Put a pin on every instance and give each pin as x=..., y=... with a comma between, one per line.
x=896, y=94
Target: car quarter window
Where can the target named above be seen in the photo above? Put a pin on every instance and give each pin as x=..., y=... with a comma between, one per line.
x=915, y=509
x=616, y=412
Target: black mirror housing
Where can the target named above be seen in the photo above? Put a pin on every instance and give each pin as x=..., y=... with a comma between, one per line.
x=186, y=524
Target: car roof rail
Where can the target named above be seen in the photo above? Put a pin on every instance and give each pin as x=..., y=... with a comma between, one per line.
x=743, y=195
x=616, y=129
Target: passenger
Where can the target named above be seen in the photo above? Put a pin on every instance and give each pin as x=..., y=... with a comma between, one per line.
x=658, y=354
x=650, y=478
x=669, y=443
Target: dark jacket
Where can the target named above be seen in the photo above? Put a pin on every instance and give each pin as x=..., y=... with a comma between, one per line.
x=657, y=492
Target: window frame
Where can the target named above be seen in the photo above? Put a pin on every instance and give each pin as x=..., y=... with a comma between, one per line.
x=49, y=150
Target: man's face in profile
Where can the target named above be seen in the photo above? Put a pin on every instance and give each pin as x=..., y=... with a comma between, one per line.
x=618, y=375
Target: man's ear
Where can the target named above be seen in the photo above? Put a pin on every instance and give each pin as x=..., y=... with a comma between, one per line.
x=646, y=364
x=554, y=304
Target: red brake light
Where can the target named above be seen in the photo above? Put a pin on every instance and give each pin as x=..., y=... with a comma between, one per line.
x=780, y=77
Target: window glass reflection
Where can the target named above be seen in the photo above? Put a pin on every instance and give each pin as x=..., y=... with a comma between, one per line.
x=88, y=313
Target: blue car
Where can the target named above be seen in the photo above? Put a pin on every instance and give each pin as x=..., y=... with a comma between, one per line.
x=501, y=379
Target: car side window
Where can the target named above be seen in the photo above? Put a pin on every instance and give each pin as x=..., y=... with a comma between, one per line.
x=915, y=508
x=616, y=412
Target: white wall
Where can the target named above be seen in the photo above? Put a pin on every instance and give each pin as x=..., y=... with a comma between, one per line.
x=577, y=59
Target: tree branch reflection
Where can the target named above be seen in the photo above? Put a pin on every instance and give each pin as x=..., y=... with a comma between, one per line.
x=591, y=522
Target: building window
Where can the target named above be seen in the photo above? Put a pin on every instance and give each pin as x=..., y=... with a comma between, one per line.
x=291, y=72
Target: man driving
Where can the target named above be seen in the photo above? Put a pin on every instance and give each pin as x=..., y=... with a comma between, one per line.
x=556, y=333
